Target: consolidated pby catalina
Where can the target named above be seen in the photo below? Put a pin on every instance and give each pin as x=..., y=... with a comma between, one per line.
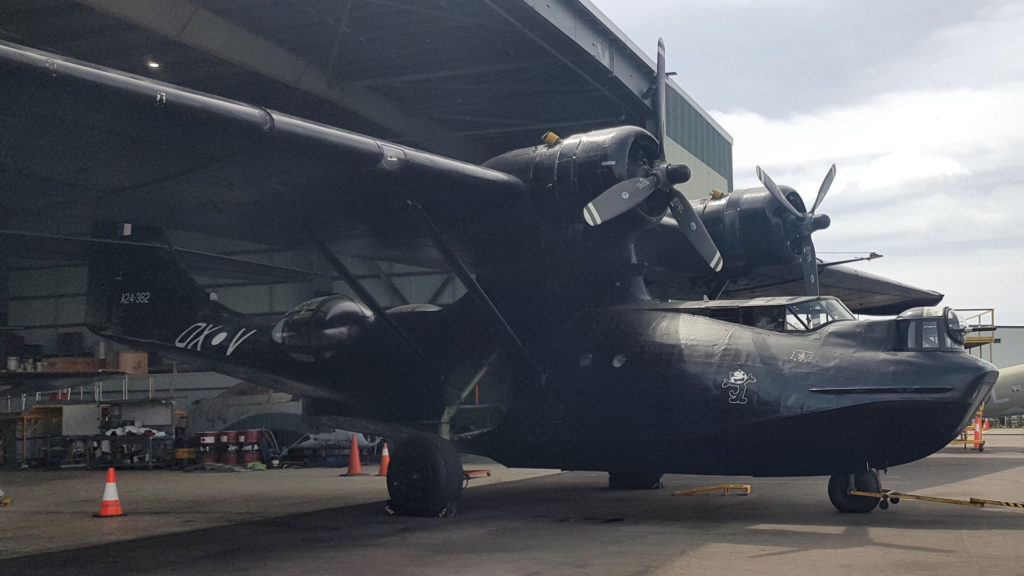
x=557, y=356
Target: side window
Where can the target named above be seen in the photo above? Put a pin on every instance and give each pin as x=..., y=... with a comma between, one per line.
x=930, y=334
x=793, y=322
x=770, y=319
x=906, y=335
x=923, y=334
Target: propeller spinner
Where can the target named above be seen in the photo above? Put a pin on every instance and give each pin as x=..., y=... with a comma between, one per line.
x=806, y=222
x=629, y=194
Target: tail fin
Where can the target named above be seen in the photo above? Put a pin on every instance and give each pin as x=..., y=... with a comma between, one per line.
x=137, y=291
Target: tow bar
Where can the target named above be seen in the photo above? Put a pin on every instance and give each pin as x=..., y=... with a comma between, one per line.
x=888, y=496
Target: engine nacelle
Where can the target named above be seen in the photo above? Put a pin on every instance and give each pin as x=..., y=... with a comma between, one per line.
x=752, y=229
x=316, y=329
x=567, y=174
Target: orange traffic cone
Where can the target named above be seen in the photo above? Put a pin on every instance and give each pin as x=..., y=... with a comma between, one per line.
x=977, y=433
x=985, y=427
x=354, y=467
x=111, y=505
x=385, y=460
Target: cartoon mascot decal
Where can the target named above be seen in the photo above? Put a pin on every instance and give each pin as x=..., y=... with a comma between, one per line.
x=736, y=383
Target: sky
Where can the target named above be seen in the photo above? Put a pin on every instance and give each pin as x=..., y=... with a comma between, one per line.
x=919, y=104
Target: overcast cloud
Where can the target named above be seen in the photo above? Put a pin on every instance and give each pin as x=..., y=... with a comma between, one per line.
x=919, y=104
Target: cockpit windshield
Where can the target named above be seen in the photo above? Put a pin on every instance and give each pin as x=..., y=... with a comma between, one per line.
x=813, y=314
x=777, y=314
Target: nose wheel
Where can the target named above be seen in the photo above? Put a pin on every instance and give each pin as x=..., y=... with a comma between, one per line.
x=840, y=485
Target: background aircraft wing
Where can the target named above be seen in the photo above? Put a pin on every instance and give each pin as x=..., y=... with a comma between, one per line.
x=83, y=143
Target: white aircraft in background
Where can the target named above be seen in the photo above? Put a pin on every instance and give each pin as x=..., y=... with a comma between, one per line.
x=1007, y=398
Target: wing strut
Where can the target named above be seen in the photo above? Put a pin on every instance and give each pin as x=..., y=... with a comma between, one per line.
x=475, y=291
x=363, y=294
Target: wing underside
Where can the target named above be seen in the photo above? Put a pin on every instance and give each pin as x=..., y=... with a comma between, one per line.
x=106, y=145
x=83, y=143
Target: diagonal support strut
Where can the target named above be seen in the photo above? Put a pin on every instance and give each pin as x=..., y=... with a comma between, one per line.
x=475, y=291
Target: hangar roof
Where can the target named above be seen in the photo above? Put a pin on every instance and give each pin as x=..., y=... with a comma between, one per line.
x=465, y=78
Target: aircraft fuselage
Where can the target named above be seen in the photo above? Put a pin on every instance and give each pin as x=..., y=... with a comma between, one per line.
x=639, y=385
x=680, y=393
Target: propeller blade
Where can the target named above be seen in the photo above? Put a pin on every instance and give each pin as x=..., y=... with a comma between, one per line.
x=659, y=99
x=809, y=261
x=695, y=232
x=618, y=199
x=825, y=185
x=774, y=189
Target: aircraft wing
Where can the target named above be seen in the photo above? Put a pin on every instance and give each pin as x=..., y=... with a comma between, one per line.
x=862, y=292
x=62, y=248
x=83, y=143
x=668, y=258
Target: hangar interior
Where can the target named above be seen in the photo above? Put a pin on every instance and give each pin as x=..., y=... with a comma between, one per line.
x=466, y=79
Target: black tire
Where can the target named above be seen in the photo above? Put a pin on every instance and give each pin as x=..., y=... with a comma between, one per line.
x=424, y=477
x=634, y=480
x=863, y=480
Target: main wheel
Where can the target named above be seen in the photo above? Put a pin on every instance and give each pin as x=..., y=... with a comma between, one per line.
x=634, y=480
x=424, y=477
x=839, y=486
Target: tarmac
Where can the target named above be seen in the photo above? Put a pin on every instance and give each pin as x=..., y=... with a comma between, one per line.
x=318, y=521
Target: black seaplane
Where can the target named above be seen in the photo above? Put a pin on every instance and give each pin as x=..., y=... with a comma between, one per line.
x=558, y=355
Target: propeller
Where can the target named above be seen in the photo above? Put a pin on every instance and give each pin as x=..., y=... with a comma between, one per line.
x=628, y=194
x=807, y=223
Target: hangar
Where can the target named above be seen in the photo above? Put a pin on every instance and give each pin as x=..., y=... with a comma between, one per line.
x=467, y=79
x=578, y=292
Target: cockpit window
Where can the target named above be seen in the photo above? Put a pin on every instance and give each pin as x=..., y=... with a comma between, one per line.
x=814, y=314
x=799, y=314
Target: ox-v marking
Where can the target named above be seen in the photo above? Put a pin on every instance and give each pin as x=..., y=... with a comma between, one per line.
x=193, y=337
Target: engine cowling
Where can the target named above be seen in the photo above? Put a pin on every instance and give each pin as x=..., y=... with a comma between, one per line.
x=570, y=172
x=752, y=229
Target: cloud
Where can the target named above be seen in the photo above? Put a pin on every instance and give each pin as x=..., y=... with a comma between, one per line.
x=979, y=50
x=890, y=137
x=786, y=56
x=920, y=105
x=902, y=166
x=931, y=179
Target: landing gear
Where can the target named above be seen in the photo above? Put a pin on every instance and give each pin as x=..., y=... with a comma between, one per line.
x=425, y=477
x=839, y=486
x=634, y=480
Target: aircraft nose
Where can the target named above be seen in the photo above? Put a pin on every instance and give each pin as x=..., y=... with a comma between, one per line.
x=977, y=388
x=983, y=385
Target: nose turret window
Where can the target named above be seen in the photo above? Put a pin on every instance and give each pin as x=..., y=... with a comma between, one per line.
x=929, y=328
